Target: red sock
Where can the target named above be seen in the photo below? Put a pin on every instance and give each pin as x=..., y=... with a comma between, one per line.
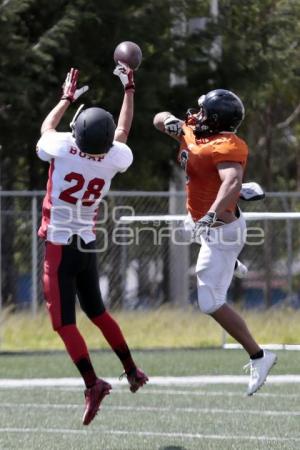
x=113, y=334
x=77, y=349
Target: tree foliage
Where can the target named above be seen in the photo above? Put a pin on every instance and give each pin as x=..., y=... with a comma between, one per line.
x=257, y=55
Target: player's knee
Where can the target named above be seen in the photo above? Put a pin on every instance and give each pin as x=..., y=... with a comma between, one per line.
x=62, y=329
x=207, y=301
x=56, y=326
x=94, y=311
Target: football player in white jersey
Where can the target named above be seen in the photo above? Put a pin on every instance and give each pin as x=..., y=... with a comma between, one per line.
x=82, y=164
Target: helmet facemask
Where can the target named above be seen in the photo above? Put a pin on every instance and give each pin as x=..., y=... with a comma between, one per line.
x=191, y=116
x=72, y=123
x=202, y=128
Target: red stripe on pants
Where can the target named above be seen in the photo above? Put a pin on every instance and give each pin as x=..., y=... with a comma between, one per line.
x=53, y=256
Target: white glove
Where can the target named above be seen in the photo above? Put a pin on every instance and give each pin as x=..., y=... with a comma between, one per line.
x=173, y=125
x=70, y=91
x=125, y=74
x=80, y=91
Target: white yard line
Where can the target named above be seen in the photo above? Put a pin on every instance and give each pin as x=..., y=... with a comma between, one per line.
x=188, y=392
x=199, y=393
x=154, y=381
x=255, y=412
x=262, y=438
x=292, y=347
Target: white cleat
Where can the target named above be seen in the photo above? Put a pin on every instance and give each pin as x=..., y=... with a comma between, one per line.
x=241, y=270
x=259, y=369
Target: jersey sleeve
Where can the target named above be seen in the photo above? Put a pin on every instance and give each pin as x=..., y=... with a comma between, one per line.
x=121, y=156
x=44, y=156
x=51, y=145
x=228, y=151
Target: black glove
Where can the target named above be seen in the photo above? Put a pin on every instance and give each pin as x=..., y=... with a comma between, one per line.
x=203, y=224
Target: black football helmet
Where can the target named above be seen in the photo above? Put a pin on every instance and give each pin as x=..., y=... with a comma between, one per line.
x=93, y=129
x=220, y=110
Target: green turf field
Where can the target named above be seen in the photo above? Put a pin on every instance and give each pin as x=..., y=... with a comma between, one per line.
x=161, y=416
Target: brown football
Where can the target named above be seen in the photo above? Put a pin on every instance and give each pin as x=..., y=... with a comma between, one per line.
x=129, y=53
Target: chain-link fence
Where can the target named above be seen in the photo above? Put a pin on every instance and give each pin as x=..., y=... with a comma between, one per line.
x=145, y=264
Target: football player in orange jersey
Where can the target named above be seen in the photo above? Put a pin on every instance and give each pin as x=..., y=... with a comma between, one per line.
x=214, y=159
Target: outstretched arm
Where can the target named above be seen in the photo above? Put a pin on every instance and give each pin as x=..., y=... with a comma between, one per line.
x=54, y=117
x=169, y=124
x=69, y=95
x=125, y=117
x=127, y=109
x=159, y=120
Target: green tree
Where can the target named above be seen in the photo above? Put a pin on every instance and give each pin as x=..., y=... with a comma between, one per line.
x=251, y=48
x=50, y=38
x=258, y=58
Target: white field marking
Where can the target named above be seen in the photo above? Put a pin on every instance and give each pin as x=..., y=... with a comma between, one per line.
x=154, y=381
x=198, y=393
x=289, y=347
x=148, y=391
x=256, y=412
x=102, y=431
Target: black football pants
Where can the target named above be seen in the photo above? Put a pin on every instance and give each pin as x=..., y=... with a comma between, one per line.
x=69, y=270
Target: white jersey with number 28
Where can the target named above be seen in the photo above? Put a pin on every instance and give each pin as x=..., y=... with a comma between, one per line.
x=77, y=182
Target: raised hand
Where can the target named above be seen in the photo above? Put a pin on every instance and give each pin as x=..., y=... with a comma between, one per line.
x=173, y=126
x=70, y=91
x=125, y=74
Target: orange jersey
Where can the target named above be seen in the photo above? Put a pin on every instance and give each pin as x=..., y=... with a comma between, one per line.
x=199, y=158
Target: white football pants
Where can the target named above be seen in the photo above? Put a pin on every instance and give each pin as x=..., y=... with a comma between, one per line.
x=219, y=250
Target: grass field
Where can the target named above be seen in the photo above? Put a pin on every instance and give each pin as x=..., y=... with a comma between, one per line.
x=161, y=328
x=164, y=415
